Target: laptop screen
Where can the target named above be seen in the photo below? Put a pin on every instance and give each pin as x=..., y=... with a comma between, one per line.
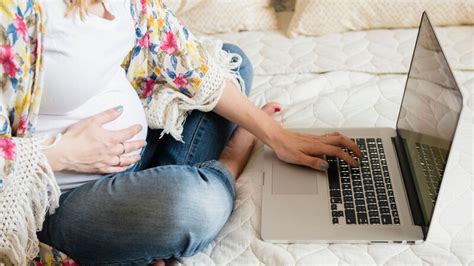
x=428, y=117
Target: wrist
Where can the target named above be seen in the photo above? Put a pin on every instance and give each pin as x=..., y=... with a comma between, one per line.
x=271, y=132
x=50, y=150
x=53, y=160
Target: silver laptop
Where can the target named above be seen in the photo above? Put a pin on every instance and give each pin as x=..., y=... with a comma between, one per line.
x=391, y=196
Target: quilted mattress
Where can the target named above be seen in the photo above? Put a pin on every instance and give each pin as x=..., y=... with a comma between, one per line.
x=351, y=79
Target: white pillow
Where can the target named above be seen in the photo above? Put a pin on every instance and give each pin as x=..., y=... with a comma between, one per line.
x=318, y=17
x=218, y=16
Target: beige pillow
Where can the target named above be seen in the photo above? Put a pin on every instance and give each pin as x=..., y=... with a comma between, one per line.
x=218, y=16
x=318, y=17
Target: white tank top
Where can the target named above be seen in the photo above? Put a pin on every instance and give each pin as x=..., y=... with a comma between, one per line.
x=82, y=73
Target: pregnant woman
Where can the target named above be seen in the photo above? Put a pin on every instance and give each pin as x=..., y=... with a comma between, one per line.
x=93, y=106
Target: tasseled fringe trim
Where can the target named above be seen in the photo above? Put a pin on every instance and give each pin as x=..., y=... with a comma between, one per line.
x=228, y=62
x=33, y=186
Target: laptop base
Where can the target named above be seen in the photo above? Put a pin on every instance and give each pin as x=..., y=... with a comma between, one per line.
x=296, y=204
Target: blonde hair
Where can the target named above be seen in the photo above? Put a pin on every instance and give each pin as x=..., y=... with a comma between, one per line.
x=79, y=5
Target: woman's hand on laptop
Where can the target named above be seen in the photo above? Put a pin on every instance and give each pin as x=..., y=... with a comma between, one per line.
x=289, y=146
x=309, y=150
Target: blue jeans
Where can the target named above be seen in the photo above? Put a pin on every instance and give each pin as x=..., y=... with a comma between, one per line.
x=172, y=204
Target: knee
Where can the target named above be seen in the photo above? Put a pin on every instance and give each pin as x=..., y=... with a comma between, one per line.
x=197, y=214
x=246, y=69
x=202, y=212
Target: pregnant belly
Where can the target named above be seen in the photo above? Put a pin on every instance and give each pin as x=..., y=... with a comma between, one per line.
x=133, y=113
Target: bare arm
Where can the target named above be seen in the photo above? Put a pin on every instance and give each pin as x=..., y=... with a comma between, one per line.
x=289, y=146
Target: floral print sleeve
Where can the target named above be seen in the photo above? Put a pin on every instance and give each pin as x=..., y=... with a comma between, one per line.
x=26, y=178
x=170, y=68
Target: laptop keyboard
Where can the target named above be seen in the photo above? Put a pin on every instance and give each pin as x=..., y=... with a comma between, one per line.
x=364, y=195
x=432, y=162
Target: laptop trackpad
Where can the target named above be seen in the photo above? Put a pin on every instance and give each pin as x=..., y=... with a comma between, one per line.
x=293, y=179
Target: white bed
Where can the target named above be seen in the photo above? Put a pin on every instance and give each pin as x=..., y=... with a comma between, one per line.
x=351, y=79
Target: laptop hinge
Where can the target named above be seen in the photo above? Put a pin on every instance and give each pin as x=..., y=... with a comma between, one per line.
x=409, y=183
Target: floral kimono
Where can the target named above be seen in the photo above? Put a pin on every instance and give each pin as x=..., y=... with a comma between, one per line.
x=169, y=68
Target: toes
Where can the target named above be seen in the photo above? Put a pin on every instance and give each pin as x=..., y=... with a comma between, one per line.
x=159, y=263
x=272, y=108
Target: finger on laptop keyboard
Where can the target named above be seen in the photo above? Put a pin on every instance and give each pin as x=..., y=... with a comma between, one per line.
x=342, y=141
x=314, y=162
x=337, y=151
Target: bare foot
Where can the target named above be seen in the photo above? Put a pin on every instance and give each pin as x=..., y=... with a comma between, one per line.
x=237, y=151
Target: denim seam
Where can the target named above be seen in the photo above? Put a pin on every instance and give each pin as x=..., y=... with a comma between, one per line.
x=192, y=147
x=217, y=166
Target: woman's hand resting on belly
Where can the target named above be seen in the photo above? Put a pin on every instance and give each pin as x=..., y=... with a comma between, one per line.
x=86, y=147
